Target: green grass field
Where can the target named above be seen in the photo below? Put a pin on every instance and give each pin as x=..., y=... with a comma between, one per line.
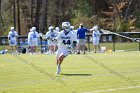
x=117, y=72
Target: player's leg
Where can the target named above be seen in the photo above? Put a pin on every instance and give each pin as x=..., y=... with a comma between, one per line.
x=16, y=49
x=31, y=47
x=51, y=49
x=83, y=45
x=60, y=55
x=95, y=49
x=78, y=46
x=35, y=45
x=99, y=47
x=34, y=49
x=95, y=46
x=11, y=44
x=12, y=49
x=60, y=59
x=74, y=46
x=55, y=48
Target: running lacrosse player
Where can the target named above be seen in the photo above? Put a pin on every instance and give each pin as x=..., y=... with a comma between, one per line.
x=64, y=39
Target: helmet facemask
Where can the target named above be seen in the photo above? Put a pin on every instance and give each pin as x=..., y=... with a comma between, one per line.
x=66, y=26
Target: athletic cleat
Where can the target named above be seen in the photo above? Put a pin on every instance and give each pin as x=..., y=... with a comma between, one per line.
x=57, y=72
x=78, y=52
x=31, y=54
x=58, y=69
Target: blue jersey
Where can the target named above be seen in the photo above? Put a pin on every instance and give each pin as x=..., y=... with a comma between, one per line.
x=81, y=33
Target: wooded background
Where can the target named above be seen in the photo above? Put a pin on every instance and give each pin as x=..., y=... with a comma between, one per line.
x=114, y=15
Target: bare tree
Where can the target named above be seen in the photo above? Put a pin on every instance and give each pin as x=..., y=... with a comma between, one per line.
x=37, y=16
x=18, y=17
x=43, y=21
x=14, y=13
x=1, y=15
x=32, y=3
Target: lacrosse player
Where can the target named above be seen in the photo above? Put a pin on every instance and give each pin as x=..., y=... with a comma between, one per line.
x=96, y=38
x=33, y=36
x=51, y=35
x=12, y=38
x=29, y=42
x=65, y=40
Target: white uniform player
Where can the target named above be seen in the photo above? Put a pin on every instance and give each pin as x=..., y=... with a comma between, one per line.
x=12, y=37
x=33, y=36
x=64, y=42
x=96, y=37
x=64, y=39
x=30, y=38
x=29, y=41
x=51, y=35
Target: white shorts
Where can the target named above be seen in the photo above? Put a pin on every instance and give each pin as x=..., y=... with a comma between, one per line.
x=81, y=41
x=51, y=43
x=33, y=43
x=95, y=42
x=61, y=52
x=12, y=42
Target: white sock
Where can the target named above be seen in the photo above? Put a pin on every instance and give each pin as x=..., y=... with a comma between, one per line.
x=58, y=68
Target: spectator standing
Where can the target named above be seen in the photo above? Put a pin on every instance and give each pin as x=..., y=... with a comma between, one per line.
x=81, y=36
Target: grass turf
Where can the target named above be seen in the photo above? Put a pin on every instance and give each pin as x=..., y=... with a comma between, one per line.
x=117, y=72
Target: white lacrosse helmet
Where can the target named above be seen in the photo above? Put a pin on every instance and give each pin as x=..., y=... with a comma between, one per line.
x=71, y=27
x=50, y=28
x=12, y=28
x=57, y=29
x=34, y=28
x=31, y=30
x=95, y=28
x=66, y=26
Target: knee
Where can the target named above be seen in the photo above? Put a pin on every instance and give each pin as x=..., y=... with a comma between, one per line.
x=61, y=58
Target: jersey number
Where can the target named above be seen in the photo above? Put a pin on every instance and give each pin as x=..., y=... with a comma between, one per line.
x=66, y=42
x=13, y=35
x=34, y=36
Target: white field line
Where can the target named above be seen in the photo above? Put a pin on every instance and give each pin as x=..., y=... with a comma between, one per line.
x=115, y=89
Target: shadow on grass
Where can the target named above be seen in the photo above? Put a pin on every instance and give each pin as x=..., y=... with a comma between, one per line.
x=77, y=74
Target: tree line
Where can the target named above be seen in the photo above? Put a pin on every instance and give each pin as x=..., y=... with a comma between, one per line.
x=114, y=15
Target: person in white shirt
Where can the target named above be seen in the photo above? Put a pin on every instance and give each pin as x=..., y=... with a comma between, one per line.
x=29, y=41
x=65, y=40
x=12, y=37
x=33, y=36
x=96, y=38
x=51, y=35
